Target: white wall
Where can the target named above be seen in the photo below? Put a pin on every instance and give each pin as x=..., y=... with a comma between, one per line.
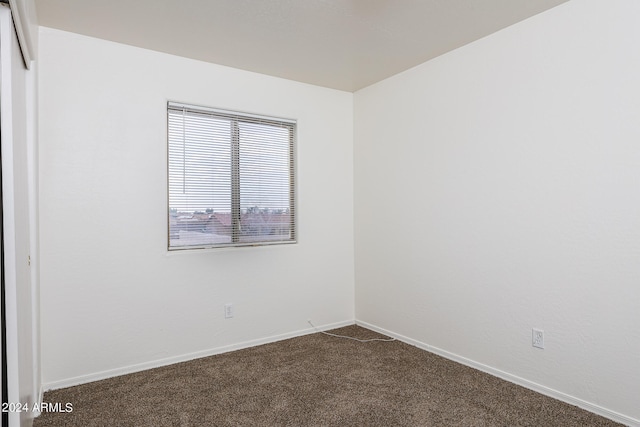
x=497, y=189
x=113, y=299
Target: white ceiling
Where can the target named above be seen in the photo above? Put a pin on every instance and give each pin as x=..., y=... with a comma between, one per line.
x=341, y=44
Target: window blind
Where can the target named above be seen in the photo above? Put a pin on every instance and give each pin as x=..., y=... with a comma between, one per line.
x=231, y=178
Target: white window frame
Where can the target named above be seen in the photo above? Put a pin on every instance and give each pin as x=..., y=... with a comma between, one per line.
x=286, y=233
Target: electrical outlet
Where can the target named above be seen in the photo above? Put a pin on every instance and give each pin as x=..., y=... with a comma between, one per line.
x=537, y=338
x=228, y=311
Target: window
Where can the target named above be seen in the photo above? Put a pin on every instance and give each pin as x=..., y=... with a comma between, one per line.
x=231, y=178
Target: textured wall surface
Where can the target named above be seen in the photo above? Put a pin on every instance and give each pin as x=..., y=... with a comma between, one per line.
x=496, y=190
x=113, y=299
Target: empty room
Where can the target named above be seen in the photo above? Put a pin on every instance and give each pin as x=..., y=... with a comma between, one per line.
x=320, y=212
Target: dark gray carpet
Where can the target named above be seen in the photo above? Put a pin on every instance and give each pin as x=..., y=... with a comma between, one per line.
x=314, y=380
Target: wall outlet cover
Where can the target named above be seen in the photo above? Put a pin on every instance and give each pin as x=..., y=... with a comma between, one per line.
x=228, y=311
x=537, y=338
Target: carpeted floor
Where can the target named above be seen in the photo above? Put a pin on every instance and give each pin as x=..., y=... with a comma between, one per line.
x=314, y=380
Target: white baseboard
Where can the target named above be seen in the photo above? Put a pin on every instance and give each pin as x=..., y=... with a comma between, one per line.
x=83, y=379
x=612, y=415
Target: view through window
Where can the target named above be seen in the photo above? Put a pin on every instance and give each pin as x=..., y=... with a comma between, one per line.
x=231, y=178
